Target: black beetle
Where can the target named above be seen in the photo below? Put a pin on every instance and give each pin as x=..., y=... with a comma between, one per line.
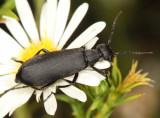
x=43, y=70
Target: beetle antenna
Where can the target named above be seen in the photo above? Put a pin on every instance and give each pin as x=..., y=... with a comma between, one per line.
x=136, y=53
x=113, y=27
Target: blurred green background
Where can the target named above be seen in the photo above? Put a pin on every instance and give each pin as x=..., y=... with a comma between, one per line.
x=137, y=29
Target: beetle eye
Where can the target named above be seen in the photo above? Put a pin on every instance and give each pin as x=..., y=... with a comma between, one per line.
x=17, y=80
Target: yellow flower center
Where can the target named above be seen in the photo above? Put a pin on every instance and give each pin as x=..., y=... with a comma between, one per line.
x=29, y=52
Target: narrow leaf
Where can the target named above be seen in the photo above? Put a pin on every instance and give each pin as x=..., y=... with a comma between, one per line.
x=7, y=12
x=114, y=72
x=130, y=98
x=119, y=78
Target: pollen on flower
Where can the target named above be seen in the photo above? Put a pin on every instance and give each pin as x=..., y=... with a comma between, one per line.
x=29, y=52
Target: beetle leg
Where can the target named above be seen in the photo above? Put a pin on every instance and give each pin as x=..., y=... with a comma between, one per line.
x=71, y=83
x=83, y=47
x=46, y=86
x=107, y=79
x=75, y=78
x=17, y=60
x=43, y=87
x=102, y=73
x=48, y=97
x=14, y=88
x=44, y=50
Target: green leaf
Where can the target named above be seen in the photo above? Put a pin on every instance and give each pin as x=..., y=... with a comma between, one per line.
x=119, y=78
x=96, y=103
x=63, y=98
x=8, y=4
x=78, y=109
x=7, y=12
x=130, y=98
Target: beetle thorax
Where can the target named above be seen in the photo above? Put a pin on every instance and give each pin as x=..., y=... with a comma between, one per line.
x=92, y=56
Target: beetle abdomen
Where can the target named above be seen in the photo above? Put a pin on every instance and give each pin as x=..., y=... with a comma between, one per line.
x=52, y=66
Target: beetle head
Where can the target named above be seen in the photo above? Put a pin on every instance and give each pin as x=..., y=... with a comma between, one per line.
x=106, y=51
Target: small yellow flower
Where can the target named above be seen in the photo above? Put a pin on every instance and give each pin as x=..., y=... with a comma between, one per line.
x=133, y=79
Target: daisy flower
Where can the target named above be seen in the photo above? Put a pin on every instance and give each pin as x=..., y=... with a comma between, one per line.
x=53, y=34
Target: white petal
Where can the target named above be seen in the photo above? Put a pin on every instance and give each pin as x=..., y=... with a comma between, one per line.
x=9, y=62
x=6, y=100
x=86, y=77
x=52, y=88
x=7, y=82
x=6, y=39
x=27, y=19
x=51, y=103
x=13, y=99
x=38, y=95
x=43, y=21
x=8, y=47
x=51, y=18
x=6, y=69
x=93, y=72
x=74, y=22
x=17, y=31
x=73, y=91
x=102, y=64
x=62, y=16
x=91, y=43
x=87, y=35
x=21, y=96
x=6, y=54
x=101, y=77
